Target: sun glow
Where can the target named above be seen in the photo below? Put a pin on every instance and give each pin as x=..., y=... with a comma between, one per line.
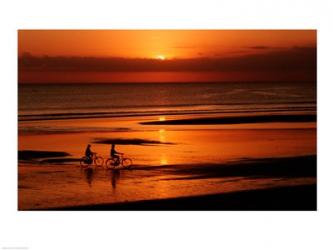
x=163, y=159
x=162, y=135
x=161, y=118
x=161, y=57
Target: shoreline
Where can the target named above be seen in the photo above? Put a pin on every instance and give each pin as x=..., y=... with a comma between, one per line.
x=236, y=120
x=294, y=116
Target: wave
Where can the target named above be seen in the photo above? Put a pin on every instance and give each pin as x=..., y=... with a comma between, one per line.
x=171, y=110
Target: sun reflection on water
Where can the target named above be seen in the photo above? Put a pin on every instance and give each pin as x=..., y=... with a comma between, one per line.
x=163, y=159
x=162, y=135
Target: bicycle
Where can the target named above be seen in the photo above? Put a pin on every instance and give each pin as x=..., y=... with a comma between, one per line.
x=114, y=163
x=97, y=160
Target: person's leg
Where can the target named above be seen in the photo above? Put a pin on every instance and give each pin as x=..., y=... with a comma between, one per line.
x=116, y=159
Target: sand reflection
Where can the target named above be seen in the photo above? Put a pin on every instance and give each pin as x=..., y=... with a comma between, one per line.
x=162, y=135
x=89, y=175
x=163, y=159
x=114, y=178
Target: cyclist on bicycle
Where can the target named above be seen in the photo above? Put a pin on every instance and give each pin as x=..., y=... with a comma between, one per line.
x=89, y=154
x=114, y=154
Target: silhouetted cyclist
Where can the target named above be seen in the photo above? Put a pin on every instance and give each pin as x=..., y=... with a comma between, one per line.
x=114, y=154
x=89, y=154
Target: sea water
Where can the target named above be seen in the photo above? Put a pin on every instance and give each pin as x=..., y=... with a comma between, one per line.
x=63, y=101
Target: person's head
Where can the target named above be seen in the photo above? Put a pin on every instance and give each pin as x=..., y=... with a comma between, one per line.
x=89, y=145
x=113, y=145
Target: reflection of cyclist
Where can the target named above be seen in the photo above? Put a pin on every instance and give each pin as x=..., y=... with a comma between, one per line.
x=89, y=154
x=114, y=154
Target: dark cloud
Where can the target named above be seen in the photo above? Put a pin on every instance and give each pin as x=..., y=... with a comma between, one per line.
x=289, y=59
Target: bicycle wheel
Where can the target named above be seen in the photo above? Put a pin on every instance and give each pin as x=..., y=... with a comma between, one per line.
x=99, y=161
x=110, y=163
x=84, y=162
x=127, y=162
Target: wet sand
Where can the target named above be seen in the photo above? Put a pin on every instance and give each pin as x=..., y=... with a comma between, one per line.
x=173, y=164
x=285, y=183
x=170, y=144
x=300, y=198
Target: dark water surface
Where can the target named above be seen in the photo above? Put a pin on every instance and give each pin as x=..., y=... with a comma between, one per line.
x=52, y=101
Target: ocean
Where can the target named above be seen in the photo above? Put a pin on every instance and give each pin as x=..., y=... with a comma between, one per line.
x=71, y=101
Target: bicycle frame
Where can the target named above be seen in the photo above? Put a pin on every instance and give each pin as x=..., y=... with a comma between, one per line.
x=114, y=163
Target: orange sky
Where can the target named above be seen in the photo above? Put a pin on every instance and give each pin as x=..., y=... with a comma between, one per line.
x=183, y=51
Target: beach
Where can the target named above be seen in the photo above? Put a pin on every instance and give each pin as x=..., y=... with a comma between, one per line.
x=294, y=198
x=165, y=168
x=223, y=154
x=266, y=184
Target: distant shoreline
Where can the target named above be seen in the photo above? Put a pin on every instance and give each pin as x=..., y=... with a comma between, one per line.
x=236, y=120
x=98, y=115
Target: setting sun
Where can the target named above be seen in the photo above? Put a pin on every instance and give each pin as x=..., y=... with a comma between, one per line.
x=161, y=57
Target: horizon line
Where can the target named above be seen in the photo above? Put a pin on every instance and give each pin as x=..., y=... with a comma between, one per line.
x=170, y=82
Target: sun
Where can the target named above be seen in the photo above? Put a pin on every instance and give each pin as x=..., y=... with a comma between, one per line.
x=161, y=57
